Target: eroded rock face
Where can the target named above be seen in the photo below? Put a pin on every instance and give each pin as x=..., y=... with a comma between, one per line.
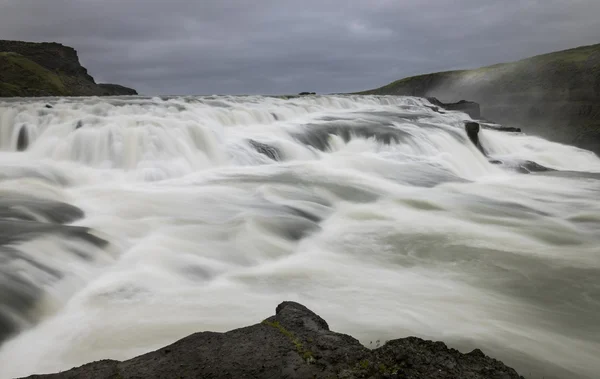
x=55, y=69
x=295, y=343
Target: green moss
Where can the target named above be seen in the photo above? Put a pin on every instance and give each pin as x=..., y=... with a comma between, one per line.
x=364, y=364
x=20, y=76
x=304, y=353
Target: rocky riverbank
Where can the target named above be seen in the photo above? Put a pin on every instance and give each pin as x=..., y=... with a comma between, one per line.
x=295, y=343
x=48, y=69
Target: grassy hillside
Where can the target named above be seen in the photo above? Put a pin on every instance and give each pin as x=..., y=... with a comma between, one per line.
x=556, y=95
x=20, y=76
x=47, y=69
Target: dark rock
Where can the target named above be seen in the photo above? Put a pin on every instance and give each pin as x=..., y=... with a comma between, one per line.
x=265, y=149
x=116, y=90
x=295, y=343
x=318, y=135
x=472, y=129
x=23, y=139
x=509, y=129
x=48, y=106
x=501, y=128
x=307, y=93
x=469, y=107
x=527, y=167
x=523, y=166
x=79, y=124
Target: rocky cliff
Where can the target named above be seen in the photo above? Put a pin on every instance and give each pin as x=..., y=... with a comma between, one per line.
x=554, y=95
x=48, y=69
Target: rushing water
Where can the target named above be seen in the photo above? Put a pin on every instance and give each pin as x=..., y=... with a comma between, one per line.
x=126, y=224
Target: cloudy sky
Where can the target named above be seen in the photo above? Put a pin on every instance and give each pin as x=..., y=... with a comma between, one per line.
x=281, y=46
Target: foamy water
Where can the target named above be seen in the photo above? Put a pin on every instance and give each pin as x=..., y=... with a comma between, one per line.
x=130, y=223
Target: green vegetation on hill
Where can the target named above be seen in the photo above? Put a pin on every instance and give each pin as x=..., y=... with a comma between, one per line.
x=47, y=69
x=20, y=76
x=556, y=95
x=551, y=74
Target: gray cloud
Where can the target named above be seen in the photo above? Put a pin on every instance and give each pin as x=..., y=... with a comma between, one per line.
x=270, y=46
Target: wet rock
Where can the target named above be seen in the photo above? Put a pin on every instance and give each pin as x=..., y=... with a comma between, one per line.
x=48, y=106
x=472, y=129
x=23, y=139
x=527, y=167
x=265, y=149
x=469, y=107
x=307, y=93
x=295, y=343
x=522, y=166
x=318, y=135
x=500, y=128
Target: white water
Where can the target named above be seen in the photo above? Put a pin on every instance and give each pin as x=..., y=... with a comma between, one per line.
x=418, y=237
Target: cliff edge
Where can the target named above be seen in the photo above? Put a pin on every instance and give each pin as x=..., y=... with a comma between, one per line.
x=555, y=95
x=48, y=69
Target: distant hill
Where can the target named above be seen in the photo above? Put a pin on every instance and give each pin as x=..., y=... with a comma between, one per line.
x=48, y=69
x=554, y=95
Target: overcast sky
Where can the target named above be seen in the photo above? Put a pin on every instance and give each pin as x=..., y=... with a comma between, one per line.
x=281, y=46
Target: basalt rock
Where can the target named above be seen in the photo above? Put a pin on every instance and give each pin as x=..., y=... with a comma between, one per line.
x=267, y=150
x=22, y=139
x=295, y=343
x=469, y=107
x=472, y=129
x=501, y=128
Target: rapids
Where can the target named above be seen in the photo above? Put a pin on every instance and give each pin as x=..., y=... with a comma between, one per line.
x=128, y=223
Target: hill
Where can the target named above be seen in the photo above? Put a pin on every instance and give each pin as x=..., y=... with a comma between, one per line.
x=48, y=69
x=555, y=95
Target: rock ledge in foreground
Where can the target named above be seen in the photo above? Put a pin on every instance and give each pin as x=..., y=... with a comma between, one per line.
x=295, y=343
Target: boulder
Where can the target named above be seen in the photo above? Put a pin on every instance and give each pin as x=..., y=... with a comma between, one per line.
x=295, y=343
